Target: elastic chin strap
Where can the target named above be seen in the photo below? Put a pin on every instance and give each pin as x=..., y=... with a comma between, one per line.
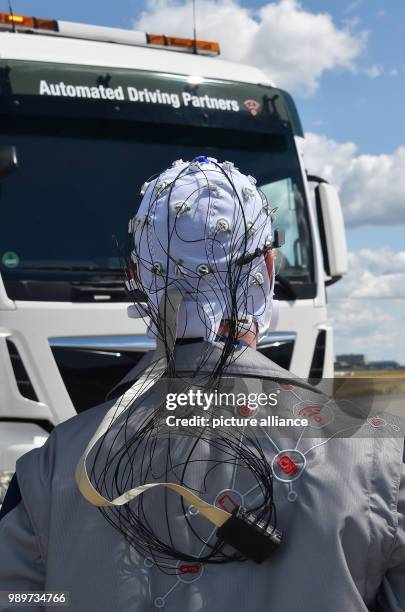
x=168, y=313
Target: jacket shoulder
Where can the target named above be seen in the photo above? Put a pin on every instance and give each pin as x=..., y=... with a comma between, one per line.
x=83, y=423
x=70, y=437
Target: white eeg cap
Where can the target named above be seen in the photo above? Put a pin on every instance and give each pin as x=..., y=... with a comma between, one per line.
x=194, y=222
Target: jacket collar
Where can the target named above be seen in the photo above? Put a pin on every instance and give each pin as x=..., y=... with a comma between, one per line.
x=203, y=356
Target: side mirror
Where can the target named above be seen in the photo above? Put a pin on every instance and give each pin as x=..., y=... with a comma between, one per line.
x=332, y=231
x=8, y=160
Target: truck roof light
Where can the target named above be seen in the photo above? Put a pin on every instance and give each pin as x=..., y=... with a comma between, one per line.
x=35, y=23
x=10, y=21
x=201, y=46
x=16, y=18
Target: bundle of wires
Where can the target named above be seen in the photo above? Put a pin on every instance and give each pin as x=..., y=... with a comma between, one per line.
x=201, y=233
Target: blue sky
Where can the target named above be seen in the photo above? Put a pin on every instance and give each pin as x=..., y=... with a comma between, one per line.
x=348, y=106
x=353, y=111
x=354, y=106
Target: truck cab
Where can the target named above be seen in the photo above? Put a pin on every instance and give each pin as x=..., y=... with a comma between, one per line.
x=88, y=114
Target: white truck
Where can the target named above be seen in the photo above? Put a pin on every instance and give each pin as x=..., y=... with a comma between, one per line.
x=87, y=114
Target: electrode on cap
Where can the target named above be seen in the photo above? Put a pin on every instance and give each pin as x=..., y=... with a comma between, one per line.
x=255, y=539
x=222, y=225
x=248, y=192
x=203, y=269
x=144, y=188
x=182, y=207
x=161, y=186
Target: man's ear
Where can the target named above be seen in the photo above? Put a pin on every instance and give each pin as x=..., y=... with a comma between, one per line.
x=270, y=258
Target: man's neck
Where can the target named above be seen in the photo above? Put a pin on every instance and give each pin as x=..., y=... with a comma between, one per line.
x=248, y=336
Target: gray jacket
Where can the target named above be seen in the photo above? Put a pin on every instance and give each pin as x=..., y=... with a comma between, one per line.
x=342, y=514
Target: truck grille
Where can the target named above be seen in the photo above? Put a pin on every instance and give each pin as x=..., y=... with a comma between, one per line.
x=91, y=367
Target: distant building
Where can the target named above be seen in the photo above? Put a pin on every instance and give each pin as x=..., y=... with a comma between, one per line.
x=384, y=365
x=360, y=362
x=351, y=361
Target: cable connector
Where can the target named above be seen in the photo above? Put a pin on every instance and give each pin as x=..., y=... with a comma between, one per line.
x=276, y=243
x=255, y=539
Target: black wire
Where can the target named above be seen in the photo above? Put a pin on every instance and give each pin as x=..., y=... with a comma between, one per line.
x=131, y=453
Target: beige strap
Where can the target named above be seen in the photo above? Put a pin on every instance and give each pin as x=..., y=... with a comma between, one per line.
x=168, y=313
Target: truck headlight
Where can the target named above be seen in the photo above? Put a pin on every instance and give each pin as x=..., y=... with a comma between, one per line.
x=5, y=477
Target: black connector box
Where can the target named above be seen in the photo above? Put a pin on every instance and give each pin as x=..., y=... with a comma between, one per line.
x=249, y=536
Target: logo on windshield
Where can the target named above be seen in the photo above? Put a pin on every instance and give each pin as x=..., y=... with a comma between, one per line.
x=253, y=106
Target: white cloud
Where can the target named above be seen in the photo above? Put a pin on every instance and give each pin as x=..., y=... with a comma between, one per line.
x=351, y=319
x=366, y=308
x=373, y=330
x=373, y=275
x=352, y=23
x=374, y=71
x=352, y=6
x=292, y=45
x=372, y=187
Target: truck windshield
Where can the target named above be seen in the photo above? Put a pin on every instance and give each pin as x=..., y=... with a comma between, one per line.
x=67, y=205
